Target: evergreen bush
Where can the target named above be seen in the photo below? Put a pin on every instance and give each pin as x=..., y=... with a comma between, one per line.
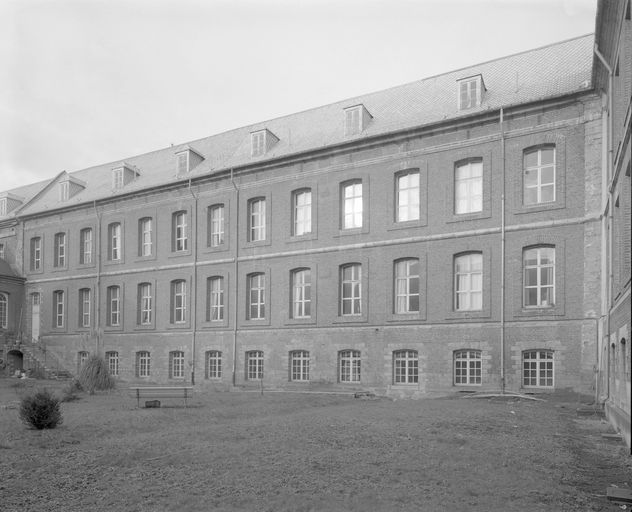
x=40, y=410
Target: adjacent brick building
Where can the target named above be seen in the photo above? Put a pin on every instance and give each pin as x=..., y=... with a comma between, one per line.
x=439, y=236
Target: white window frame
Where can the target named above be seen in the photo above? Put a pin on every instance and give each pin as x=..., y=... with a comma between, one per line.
x=85, y=301
x=143, y=363
x=353, y=120
x=180, y=236
x=118, y=178
x=182, y=163
x=299, y=366
x=301, y=293
x=468, y=281
x=254, y=365
x=351, y=290
x=472, y=96
x=36, y=253
x=352, y=205
x=213, y=364
x=145, y=303
x=64, y=191
x=538, y=369
x=115, y=241
x=468, y=187
x=540, y=269
x=216, y=299
x=349, y=366
x=176, y=364
x=114, y=306
x=60, y=249
x=538, y=168
x=405, y=367
x=146, y=236
x=258, y=143
x=112, y=358
x=302, y=212
x=4, y=310
x=85, y=236
x=179, y=297
x=216, y=223
x=408, y=193
x=405, y=277
x=257, y=219
x=59, y=305
x=256, y=296
x=467, y=367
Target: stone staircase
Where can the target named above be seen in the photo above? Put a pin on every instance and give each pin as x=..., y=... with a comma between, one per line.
x=43, y=361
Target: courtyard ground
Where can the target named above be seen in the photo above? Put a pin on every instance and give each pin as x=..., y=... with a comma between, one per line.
x=308, y=452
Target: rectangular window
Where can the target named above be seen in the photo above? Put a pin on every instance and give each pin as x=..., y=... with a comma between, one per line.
x=64, y=191
x=114, y=236
x=84, y=307
x=145, y=305
x=85, y=250
x=257, y=219
x=299, y=364
x=117, y=178
x=179, y=301
x=180, y=238
x=539, y=277
x=216, y=225
x=213, y=364
x=2, y=255
x=468, y=282
x=36, y=253
x=254, y=365
x=176, y=364
x=182, y=163
x=467, y=367
x=4, y=310
x=114, y=306
x=349, y=366
x=216, y=299
x=58, y=309
x=407, y=286
x=145, y=237
x=469, y=93
x=351, y=290
x=352, y=205
x=408, y=197
x=256, y=297
x=537, y=369
x=258, y=141
x=468, y=187
x=302, y=212
x=405, y=367
x=60, y=250
x=112, y=359
x=143, y=364
x=539, y=176
x=301, y=293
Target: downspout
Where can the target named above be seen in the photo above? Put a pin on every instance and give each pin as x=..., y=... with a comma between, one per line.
x=97, y=292
x=502, y=254
x=609, y=224
x=194, y=250
x=236, y=278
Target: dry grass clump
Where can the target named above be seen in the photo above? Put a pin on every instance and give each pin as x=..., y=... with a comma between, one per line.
x=40, y=410
x=95, y=375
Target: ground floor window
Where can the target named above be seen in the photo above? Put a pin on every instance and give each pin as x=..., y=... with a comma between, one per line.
x=537, y=369
x=467, y=367
x=176, y=364
x=82, y=357
x=143, y=361
x=254, y=365
x=405, y=367
x=349, y=365
x=213, y=364
x=112, y=359
x=299, y=365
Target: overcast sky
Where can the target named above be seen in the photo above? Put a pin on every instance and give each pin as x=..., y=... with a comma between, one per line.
x=85, y=82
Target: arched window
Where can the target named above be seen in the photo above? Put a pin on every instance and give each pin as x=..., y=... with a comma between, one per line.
x=301, y=212
x=539, y=276
x=256, y=298
x=351, y=289
x=539, y=175
x=407, y=286
x=351, y=204
x=213, y=364
x=407, y=196
x=301, y=293
x=468, y=186
x=349, y=366
x=179, y=235
x=468, y=282
x=405, y=367
x=4, y=310
x=215, y=225
x=178, y=301
x=215, y=290
x=537, y=369
x=467, y=367
x=299, y=365
x=257, y=219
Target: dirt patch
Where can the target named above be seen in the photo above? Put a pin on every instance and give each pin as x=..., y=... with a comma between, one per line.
x=243, y=451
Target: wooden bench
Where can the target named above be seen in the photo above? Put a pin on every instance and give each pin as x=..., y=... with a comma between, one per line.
x=162, y=392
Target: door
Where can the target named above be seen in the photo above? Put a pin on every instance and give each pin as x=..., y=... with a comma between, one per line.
x=35, y=316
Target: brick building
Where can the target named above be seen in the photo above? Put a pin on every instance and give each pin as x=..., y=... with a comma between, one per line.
x=438, y=236
x=613, y=79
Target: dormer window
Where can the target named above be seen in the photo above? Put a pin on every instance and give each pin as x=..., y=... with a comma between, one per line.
x=186, y=160
x=261, y=141
x=356, y=119
x=123, y=175
x=9, y=202
x=470, y=91
x=69, y=186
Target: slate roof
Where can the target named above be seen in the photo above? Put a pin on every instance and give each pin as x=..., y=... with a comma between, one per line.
x=554, y=70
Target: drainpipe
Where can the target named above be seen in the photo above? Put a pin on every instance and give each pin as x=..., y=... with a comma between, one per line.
x=194, y=250
x=97, y=294
x=236, y=279
x=502, y=255
x=609, y=224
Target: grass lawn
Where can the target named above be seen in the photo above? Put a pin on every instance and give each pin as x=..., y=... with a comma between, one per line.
x=308, y=452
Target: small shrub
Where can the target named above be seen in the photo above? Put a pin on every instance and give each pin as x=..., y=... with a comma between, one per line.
x=69, y=393
x=95, y=375
x=40, y=410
